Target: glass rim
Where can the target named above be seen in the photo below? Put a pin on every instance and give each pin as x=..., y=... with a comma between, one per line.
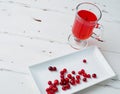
x=90, y=4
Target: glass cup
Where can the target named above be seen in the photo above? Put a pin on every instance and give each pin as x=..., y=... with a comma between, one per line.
x=86, y=19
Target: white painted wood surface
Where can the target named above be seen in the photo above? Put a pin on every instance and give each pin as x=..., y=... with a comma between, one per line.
x=32, y=31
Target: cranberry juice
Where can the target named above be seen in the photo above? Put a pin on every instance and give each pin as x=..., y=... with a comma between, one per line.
x=84, y=24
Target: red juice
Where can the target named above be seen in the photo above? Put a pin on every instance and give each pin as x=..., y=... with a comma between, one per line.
x=84, y=24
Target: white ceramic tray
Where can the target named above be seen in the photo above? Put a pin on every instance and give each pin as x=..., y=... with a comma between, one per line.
x=96, y=63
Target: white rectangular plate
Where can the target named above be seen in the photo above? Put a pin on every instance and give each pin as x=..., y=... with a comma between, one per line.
x=96, y=63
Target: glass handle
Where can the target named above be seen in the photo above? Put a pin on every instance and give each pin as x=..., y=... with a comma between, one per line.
x=97, y=34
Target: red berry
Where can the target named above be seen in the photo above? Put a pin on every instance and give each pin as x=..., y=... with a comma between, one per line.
x=72, y=82
x=47, y=89
x=69, y=76
x=82, y=71
x=73, y=72
x=84, y=61
x=77, y=81
x=50, y=68
x=72, y=78
x=63, y=81
x=67, y=80
x=88, y=76
x=64, y=70
x=49, y=82
x=94, y=75
x=85, y=75
x=51, y=92
x=51, y=86
x=68, y=86
x=84, y=80
x=56, y=82
x=55, y=89
x=61, y=76
x=54, y=68
x=64, y=88
x=77, y=77
x=79, y=72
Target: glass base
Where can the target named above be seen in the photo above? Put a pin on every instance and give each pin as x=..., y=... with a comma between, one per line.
x=77, y=44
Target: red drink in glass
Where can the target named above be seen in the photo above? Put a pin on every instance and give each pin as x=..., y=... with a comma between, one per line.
x=84, y=24
x=86, y=18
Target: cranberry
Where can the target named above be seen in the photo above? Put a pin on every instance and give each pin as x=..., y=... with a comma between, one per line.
x=84, y=61
x=56, y=82
x=69, y=76
x=54, y=68
x=84, y=80
x=72, y=82
x=85, y=75
x=62, y=76
x=64, y=88
x=51, y=92
x=52, y=89
x=47, y=89
x=81, y=72
x=73, y=72
x=94, y=75
x=77, y=81
x=62, y=79
x=50, y=68
x=77, y=77
x=88, y=76
x=63, y=82
x=49, y=82
x=51, y=86
x=67, y=80
x=64, y=70
x=55, y=89
x=68, y=86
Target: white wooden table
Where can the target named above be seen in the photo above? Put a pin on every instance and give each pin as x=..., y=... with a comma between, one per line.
x=32, y=31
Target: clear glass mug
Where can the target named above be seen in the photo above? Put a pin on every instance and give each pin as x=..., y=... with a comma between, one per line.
x=86, y=20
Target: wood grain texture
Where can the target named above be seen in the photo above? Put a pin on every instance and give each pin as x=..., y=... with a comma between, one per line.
x=32, y=31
